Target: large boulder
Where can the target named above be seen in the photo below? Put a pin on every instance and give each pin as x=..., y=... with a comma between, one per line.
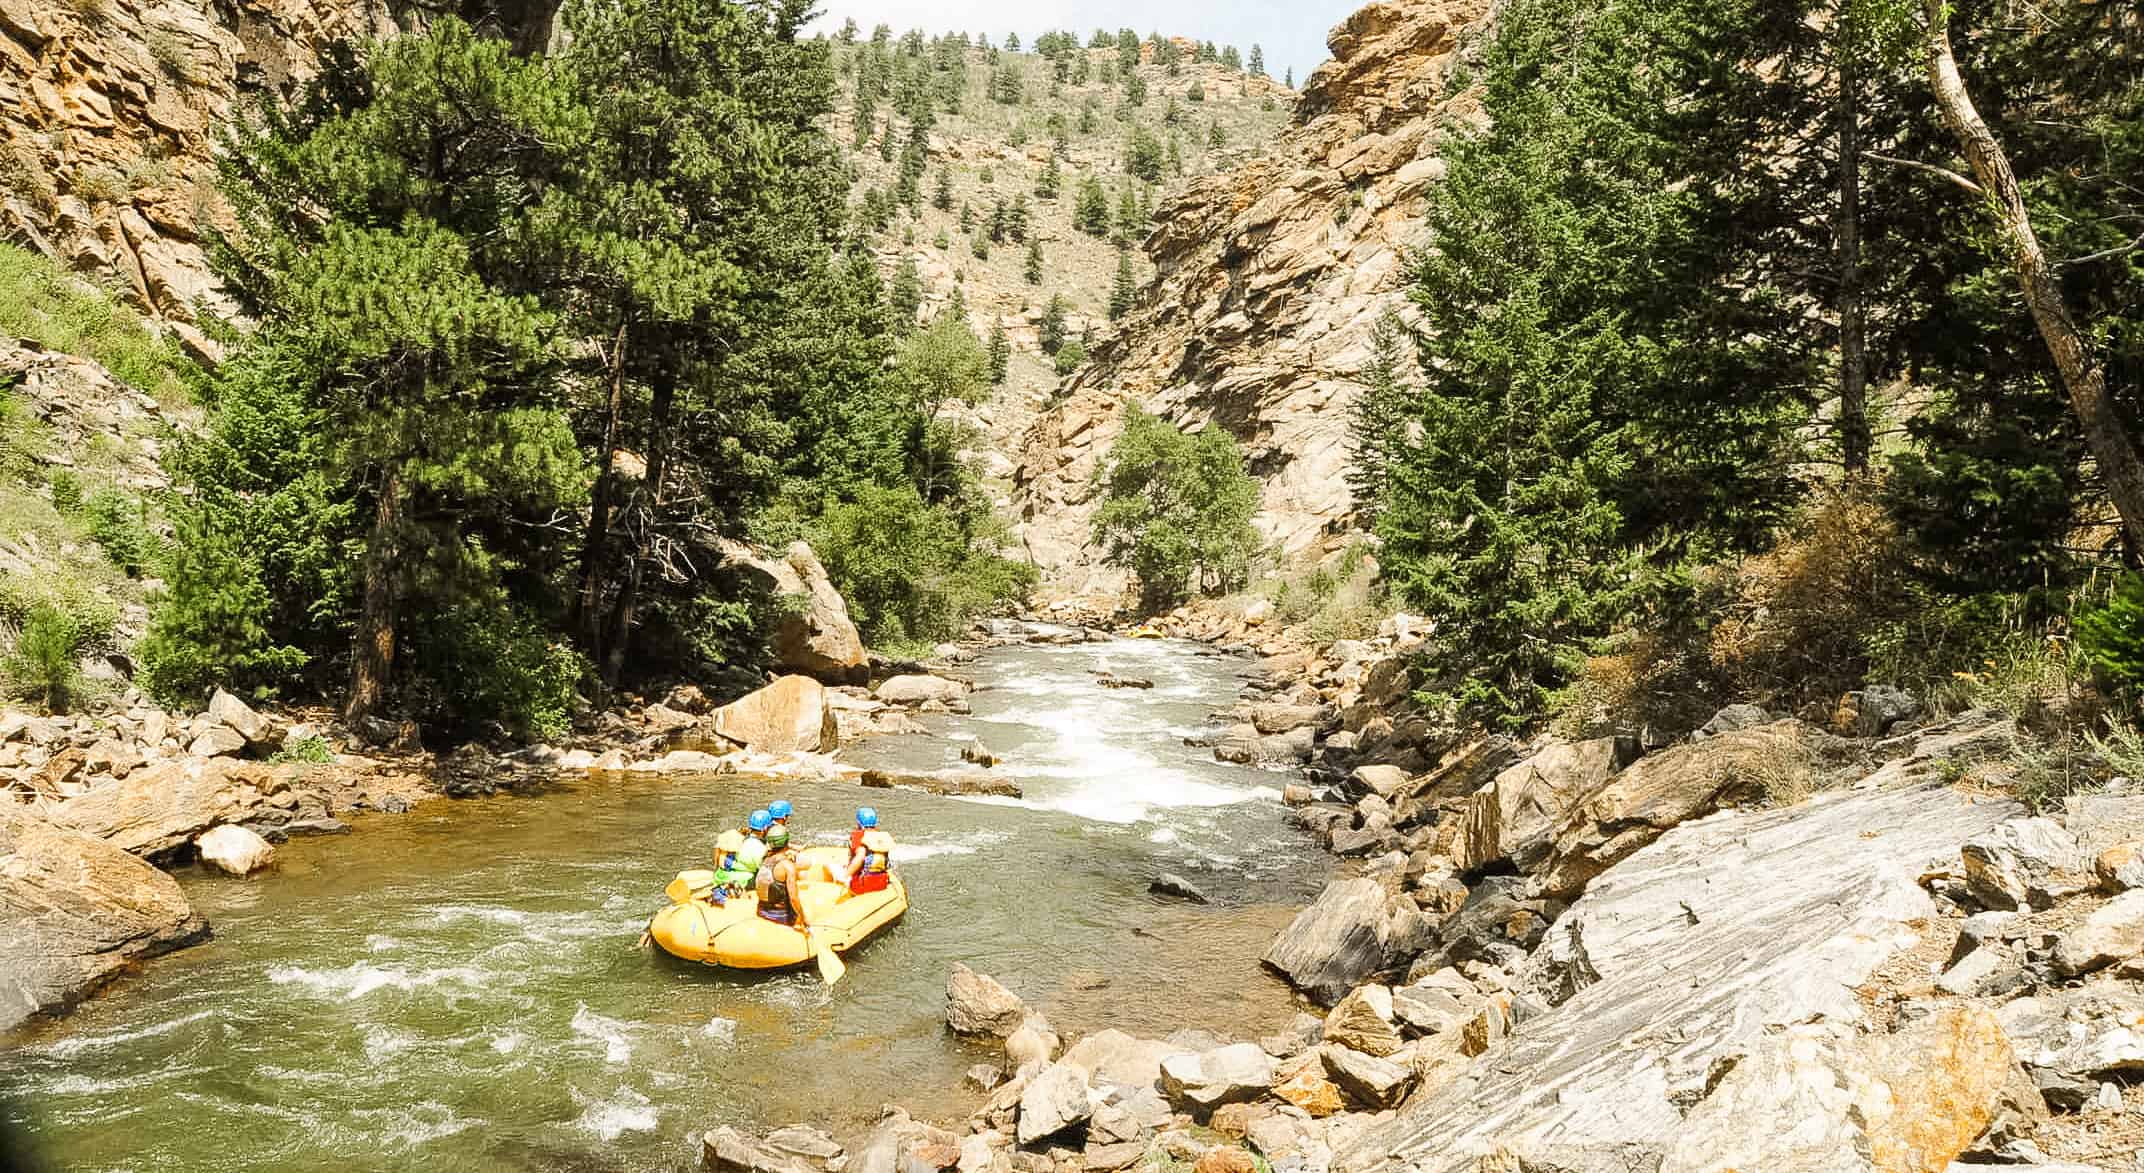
x=1821, y=1098
x=235, y=850
x=2073, y=1039
x=238, y=716
x=1335, y=944
x=1685, y=960
x=1054, y=1100
x=1113, y=1057
x=1201, y=1081
x=790, y=715
x=1637, y=805
x=2024, y=863
x=2112, y=932
x=1515, y=817
x=165, y=807
x=815, y=635
x=977, y=1004
x=74, y=911
x=1363, y=1021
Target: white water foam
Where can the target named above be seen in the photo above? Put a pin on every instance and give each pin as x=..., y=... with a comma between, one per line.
x=722, y=1030
x=614, y=1034
x=967, y=844
x=628, y=1111
x=363, y=977
x=507, y=1043
x=418, y=1124
x=489, y=914
x=67, y=1048
x=381, y=943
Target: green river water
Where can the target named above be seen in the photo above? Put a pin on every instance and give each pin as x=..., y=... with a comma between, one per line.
x=458, y=988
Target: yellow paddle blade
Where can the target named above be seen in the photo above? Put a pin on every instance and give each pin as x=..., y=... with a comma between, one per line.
x=831, y=967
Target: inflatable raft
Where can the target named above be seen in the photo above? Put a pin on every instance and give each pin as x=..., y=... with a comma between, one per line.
x=735, y=935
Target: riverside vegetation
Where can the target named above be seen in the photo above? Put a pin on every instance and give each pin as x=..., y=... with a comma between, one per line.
x=1738, y=552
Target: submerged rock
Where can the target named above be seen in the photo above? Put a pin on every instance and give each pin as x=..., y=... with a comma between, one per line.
x=1176, y=887
x=75, y=911
x=978, y=1004
x=948, y=782
x=918, y=689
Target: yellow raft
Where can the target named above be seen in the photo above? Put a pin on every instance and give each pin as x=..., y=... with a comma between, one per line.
x=735, y=935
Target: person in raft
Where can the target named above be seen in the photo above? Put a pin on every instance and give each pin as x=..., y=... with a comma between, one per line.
x=870, y=863
x=739, y=850
x=777, y=883
x=781, y=810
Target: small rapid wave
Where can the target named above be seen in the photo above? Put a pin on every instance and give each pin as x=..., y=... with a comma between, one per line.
x=614, y=1034
x=361, y=978
x=70, y=1047
x=627, y=1111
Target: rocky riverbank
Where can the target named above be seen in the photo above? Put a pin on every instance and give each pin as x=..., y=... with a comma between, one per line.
x=1777, y=944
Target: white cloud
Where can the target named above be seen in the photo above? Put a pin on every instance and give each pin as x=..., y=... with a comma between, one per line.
x=1292, y=31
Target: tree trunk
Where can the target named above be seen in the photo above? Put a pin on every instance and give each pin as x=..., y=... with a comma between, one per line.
x=624, y=612
x=2082, y=375
x=585, y=600
x=375, y=651
x=1854, y=435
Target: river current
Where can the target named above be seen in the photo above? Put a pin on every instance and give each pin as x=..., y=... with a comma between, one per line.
x=459, y=988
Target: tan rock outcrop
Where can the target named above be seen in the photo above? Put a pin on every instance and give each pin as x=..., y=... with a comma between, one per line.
x=166, y=806
x=1269, y=281
x=74, y=911
x=109, y=115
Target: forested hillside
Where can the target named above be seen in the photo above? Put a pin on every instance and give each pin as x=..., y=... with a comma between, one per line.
x=1017, y=181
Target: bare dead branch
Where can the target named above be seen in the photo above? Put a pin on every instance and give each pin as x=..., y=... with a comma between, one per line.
x=1944, y=173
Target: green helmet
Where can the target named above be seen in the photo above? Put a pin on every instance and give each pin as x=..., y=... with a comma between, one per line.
x=777, y=837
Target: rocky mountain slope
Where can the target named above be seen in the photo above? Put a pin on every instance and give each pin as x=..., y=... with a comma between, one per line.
x=1269, y=280
x=989, y=153
x=112, y=112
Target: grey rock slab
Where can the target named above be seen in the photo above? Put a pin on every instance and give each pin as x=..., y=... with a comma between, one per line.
x=2023, y=863
x=1704, y=939
x=1053, y=1101
x=2112, y=932
x=1203, y=1081
x=1335, y=944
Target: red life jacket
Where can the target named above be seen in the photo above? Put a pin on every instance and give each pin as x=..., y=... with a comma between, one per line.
x=877, y=866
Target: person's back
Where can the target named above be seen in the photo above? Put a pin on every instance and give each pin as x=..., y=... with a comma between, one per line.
x=777, y=881
x=870, y=864
x=739, y=850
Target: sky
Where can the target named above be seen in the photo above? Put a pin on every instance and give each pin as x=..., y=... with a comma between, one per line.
x=1292, y=31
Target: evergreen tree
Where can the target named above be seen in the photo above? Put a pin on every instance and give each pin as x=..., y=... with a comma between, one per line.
x=1378, y=418
x=1124, y=294
x=1091, y=211
x=1046, y=186
x=1134, y=88
x=1052, y=331
x=1012, y=42
x=942, y=195
x=1257, y=64
x=1131, y=218
x=1144, y=155
x=1034, y=260
x=1000, y=353
x=1016, y=217
x=1288, y=81
x=905, y=299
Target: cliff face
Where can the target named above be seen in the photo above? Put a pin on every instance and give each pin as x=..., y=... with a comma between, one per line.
x=109, y=111
x=1269, y=279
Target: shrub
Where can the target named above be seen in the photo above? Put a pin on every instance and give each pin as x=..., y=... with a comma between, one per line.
x=100, y=185
x=314, y=750
x=1176, y=509
x=914, y=574
x=2111, y=637
x=119, y=523
x=66, y=492
x=55, y=626
x=487, y=660
x=212, y=625
x=1801, y=617
x=24, y=438
x=1070, y=357
x=23, y=175
x=169, y=50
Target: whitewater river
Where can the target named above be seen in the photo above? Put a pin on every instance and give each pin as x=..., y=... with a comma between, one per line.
x=459, y=987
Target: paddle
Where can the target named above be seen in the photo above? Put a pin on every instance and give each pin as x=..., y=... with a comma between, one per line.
x=831, y=968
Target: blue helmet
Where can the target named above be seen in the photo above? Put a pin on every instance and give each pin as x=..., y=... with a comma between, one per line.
x=779, y=808
x=760, y=820
x=866, y=817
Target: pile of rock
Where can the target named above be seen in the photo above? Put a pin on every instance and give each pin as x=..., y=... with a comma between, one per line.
x=60, y=757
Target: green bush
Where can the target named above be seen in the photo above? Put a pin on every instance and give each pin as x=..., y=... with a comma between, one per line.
x=1176, y=510
x=46, y=663
x=24, y=438
x=914, y=574
x=486, y=660
x=1070, y=357
x=212, y=627
x=66, y=492
x=2111, y=637
x=314, y=750
x=119, y=523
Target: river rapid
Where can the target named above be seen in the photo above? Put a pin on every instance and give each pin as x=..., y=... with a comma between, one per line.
x=459, y=988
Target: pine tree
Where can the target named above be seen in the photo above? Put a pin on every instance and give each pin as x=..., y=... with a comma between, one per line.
x=1034, y=260
x=1131, y=218
x=1134, y=88
x=905, y=298
x=1377, y=420
x=942, y=195
x=1288, y=81
x=1046, y=185
x=1144, y=155
x=1091, y=211
x=1124, y=294
x=967, y=217
x=1016, y=217
x=999, y=223
x=1052, y=329
x=1257, y=64
x=1000, y=353
x=1012, y=42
